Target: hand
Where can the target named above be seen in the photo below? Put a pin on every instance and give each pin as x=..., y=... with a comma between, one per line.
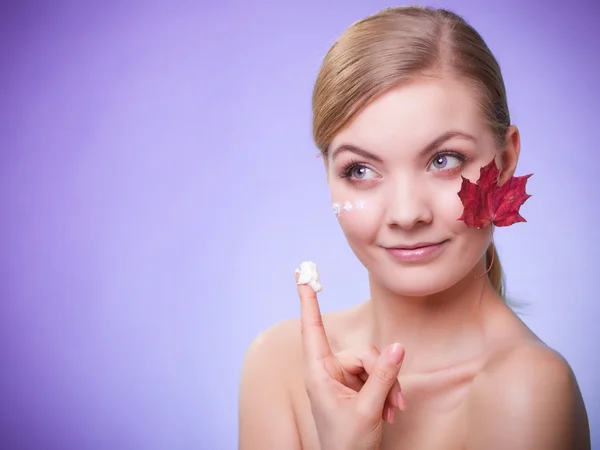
x=349, y=392
x=356, y=365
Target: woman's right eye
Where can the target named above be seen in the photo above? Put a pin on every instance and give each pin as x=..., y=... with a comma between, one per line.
x=356, y=171
x=361, y=172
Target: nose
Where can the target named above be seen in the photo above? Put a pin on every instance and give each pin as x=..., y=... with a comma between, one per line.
x=408, y=205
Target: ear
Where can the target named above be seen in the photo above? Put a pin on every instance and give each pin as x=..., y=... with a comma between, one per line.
x=510, y=155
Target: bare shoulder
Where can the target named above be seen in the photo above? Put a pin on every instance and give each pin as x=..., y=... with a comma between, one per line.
x=272, y=372
x=525, y=397
x=280, y=346
x=272, y=357
x=282, y=339
x=264, y=394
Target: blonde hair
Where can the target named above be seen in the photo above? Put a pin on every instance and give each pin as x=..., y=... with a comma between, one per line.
x=393, y=46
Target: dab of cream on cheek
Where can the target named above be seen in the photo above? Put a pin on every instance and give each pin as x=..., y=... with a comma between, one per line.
x=309, y=275
x=347, y=206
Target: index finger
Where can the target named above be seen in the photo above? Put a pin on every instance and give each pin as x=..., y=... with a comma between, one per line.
x=314, y=339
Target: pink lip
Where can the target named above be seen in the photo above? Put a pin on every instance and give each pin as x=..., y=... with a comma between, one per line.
x=416, y=253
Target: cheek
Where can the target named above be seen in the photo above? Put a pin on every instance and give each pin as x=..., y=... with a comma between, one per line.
x=470, y=243
x=448, y=207
x=358, y=218
x=452, y=211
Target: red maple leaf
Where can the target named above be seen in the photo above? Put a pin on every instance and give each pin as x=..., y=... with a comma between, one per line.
x=486, y=202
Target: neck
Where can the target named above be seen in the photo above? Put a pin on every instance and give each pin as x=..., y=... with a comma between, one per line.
x=438, y=330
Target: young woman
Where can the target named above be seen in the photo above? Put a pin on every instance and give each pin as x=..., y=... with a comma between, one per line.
x=409, y=110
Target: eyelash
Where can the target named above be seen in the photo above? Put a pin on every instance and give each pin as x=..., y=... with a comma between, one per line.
x=346, y=170
x=350, y=166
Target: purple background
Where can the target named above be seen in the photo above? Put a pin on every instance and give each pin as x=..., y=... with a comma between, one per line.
x=157, y=172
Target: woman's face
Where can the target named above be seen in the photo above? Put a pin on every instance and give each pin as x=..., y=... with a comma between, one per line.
x=397, y=168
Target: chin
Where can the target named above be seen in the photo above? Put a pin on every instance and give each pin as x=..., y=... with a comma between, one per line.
x=420, y=279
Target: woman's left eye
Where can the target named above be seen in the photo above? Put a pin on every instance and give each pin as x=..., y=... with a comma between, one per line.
x=446, y=162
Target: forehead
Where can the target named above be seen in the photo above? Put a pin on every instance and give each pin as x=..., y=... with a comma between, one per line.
x=413, y=114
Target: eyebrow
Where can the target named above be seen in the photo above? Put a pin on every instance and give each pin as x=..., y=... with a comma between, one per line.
x=427, y=149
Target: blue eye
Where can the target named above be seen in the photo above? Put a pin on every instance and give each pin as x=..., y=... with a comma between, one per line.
x=446, y=161
x=357, y=172
x=360, y=172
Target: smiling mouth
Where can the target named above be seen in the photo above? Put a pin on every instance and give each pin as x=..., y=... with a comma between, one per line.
x=416, y=246
x=422, y=251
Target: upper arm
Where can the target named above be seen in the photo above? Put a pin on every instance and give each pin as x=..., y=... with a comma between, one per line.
x=530, y=400
x=266, y=417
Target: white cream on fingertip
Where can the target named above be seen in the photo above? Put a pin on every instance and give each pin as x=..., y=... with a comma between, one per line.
x=309, y=275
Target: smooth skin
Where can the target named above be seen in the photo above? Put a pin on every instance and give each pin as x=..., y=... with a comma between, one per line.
x=472, y=376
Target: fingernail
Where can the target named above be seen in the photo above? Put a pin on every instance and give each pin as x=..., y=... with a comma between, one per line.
x=297, y=274
x=395, y=354
x=401, y=402
x=390, y=414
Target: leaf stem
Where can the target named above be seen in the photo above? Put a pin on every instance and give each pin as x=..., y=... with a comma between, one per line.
x=493, y=255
